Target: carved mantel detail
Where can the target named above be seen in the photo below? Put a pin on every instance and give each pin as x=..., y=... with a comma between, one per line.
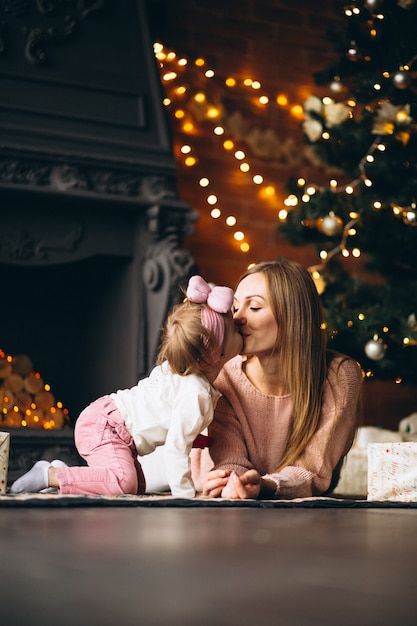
x=63, y=18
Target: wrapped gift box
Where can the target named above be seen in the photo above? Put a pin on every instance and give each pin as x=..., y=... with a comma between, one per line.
x=392, y=471
x=354, y=475
x=4, y=460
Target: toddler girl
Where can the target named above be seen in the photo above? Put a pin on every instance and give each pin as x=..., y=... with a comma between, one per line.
x=170, y=407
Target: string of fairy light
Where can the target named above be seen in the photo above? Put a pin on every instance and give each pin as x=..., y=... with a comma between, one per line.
x=174, y=77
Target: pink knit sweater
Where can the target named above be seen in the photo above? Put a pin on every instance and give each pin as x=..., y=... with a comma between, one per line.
x=250, y=430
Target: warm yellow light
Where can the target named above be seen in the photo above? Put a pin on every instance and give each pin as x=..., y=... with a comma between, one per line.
x=190, y=161
x=199, y=62
x=245, y=247
x=349, y=189
x=301, y=182
x=219, y=130
x=368, y=182
x=47, y=387
x=244, y=167
x=291, y=200
x=370, y=158
x=204, y=182
x=333, y=183
x=327, y=100
x=247, y=82
x=323, y=254
x=200, y=97
x=311, y=191
x=282, y=100
x=240, y=155
x=212, y=199
x=256, y=84
x=258, y=179
x=230, y=82
x=166, y=102
x=297, y=111
x=209, y=73
x=401, y=116
x=381, y=147
x=182, y=62
x=179, y=114
x=345, y=252
x=185, y=149
x=282, y=215
x=269, y=190
x=325, y=135
x=361, y=317
x=215, y=213
x=231, y=220
x=169, y=76
x=228, y=144
x=356, y=253
x=181, y=90
x=238, y=235
x=212, y=113
x=377, y=205
x=377, y=87
x=263, y=99
x=188, y=127
x=157, y=47
x=305, y=197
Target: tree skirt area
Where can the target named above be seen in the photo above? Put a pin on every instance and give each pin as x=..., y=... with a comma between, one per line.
x=54, y=500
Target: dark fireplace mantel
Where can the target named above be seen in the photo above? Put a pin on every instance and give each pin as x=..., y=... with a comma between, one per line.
x=91, y=228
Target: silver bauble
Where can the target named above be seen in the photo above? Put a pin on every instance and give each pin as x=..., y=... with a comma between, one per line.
x=375, y=349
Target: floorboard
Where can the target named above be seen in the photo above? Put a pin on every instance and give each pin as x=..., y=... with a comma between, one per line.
x=208, y=566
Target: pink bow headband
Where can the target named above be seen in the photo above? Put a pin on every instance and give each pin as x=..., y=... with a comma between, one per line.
x=219, y=300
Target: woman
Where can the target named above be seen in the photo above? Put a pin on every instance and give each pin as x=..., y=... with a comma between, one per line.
x=289, y=410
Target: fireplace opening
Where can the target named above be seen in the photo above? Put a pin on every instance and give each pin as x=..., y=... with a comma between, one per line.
x=76, y=323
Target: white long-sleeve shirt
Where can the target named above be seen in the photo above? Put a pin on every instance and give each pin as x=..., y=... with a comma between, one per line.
x=170, y=410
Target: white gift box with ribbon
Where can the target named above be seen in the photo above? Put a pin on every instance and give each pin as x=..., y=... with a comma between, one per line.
x=392, y=471
x=4, y=460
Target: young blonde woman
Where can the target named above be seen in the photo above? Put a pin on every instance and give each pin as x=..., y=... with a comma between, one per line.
x=289, y=408
x=171, y=407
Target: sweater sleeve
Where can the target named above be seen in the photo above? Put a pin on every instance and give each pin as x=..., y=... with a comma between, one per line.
x=315, y=471
x=228, y=449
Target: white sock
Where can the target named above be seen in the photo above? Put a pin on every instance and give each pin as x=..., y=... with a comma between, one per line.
x=54, y=463
x=58, y=463
x=34, y=480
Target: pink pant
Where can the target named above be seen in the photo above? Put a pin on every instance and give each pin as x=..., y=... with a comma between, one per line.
x=103, y=440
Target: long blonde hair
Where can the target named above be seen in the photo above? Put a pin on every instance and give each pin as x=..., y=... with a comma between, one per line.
x=301, y=344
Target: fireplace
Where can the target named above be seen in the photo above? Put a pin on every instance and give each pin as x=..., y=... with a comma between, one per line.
x=91, y=228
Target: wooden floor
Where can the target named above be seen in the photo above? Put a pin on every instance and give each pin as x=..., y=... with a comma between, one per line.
x=208, y=566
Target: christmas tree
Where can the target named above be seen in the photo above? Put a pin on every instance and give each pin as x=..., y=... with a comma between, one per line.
x=363, y=219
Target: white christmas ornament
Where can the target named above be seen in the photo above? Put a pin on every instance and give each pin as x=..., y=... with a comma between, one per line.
x=375, y=349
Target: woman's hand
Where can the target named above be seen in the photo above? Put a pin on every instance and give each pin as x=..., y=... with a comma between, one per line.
x=243, y=487
x=215, y=482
